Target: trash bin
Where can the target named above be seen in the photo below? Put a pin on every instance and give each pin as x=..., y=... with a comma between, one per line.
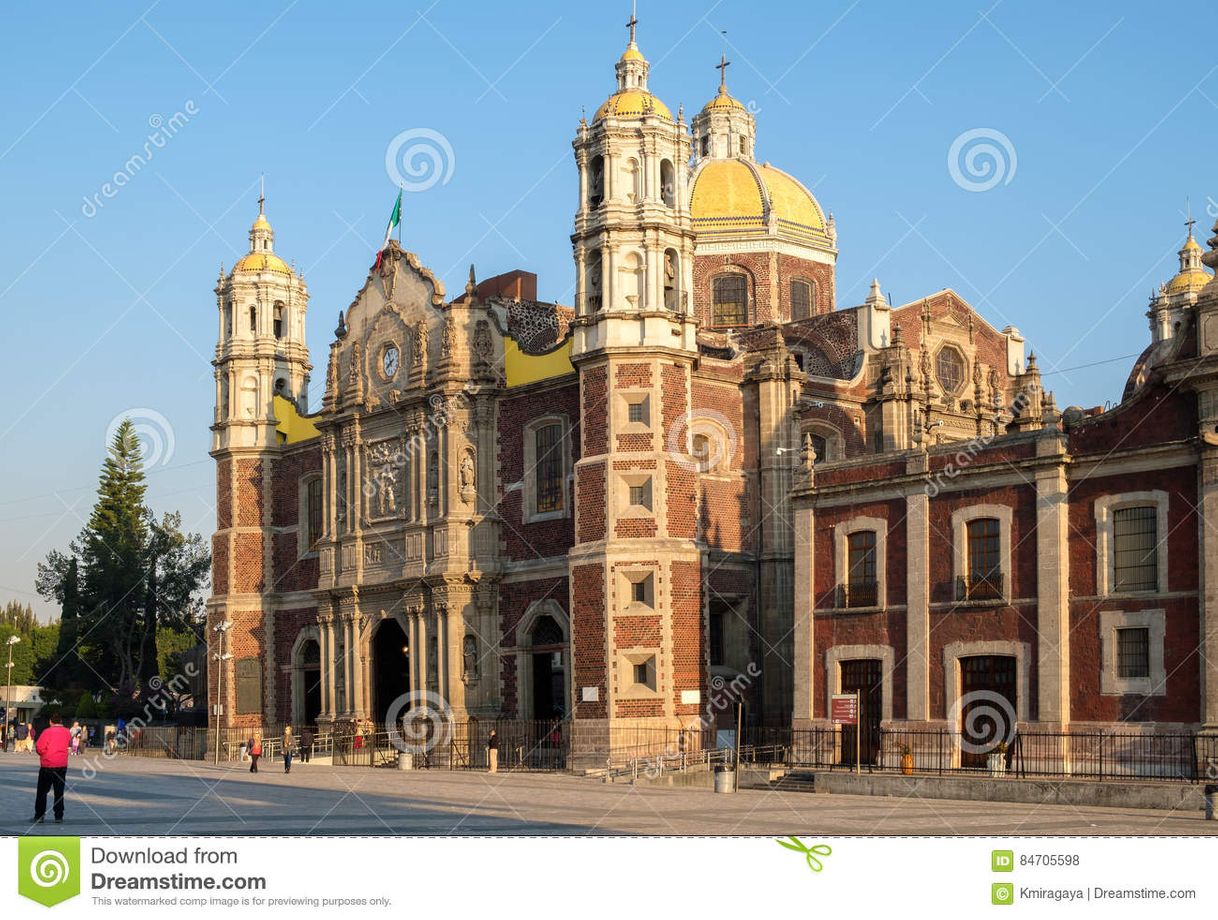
x=1211, y=793
x=405, y=760
x=725, y=779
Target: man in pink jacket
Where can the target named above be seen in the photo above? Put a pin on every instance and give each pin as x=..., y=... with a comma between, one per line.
x=52, y=748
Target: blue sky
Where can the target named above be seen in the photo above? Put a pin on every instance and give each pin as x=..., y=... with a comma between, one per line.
x=1110, y=111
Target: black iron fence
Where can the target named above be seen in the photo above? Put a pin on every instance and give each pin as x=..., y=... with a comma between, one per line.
x=547, y=746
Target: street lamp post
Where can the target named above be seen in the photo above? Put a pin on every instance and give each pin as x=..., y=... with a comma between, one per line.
x=221, y=629
x=8, y=692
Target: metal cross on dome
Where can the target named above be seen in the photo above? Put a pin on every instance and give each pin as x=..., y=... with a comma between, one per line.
x=634, y=19
x=722, y=67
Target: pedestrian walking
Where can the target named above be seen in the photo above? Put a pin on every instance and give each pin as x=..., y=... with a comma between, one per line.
x=288, y=741
x=306, y=744
x=75, y=736
x=84, y=738
x=53, y=746
x=22, y=735
x=255, y=749
x=492, y=751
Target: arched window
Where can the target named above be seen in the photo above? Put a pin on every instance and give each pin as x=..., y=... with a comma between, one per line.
x=596, y=181
x=949, y=368
x=636, y=180
x=546, y=462
x=253, y=319
x=672, y=280
x=801, y=299
x=730, y=298
x=228, y=318
x=278, y=320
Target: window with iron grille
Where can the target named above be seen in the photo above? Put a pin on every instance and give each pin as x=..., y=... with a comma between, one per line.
x=313, y=511
x=730, y=295
x=861, y=583
x=1135, y=549
x=984, y=558
x=801, y=299
x=1133, y=652
x=548, y=470
x=640, y=495
x=637, y=412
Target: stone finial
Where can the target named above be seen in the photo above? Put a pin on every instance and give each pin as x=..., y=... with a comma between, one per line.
x=471, y=284
x=896, y=334
x=875, y=298
x=340, y=331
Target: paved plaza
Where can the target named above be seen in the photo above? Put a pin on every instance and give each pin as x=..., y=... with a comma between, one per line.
x=133, y=796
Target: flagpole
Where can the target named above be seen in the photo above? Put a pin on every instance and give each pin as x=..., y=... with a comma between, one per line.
x=400, y=190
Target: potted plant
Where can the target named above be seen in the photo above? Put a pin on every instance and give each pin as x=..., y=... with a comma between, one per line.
x=907, y=761
x=997, y=760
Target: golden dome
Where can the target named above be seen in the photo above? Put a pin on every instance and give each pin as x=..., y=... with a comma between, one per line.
x=632, y=53
x=262, y=261
x=740, y=195
x=262, y=223
x=1192, y=280
x=632, y=103
x=724, y=103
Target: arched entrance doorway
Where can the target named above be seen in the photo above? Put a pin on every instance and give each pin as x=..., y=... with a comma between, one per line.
x=390, y=667
x=547, y=648
x=309, y=667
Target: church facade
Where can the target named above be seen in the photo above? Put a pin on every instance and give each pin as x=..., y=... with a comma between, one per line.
x=705, y=481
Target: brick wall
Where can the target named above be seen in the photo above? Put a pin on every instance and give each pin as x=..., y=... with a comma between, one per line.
x=588, y=631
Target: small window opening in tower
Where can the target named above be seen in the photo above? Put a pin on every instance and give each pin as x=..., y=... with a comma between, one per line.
x=706, y=145
x=253, y=319
x=279, y=321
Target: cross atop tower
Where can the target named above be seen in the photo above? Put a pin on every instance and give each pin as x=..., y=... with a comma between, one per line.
x=261, y=193
x=722, y=67
x=1191, y=222
x=634, y=20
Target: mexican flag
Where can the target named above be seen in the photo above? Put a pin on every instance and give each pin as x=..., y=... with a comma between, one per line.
x=395, y=218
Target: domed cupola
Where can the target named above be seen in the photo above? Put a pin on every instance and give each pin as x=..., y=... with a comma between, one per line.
x=633, y=99
x=725, y=127
x=1179, y=295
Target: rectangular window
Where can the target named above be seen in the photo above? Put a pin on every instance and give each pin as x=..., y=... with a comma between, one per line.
x=984, y=559
x=1135, y=549
x=640, y=495
x=637, y=412
x=249, y=686
x=313, y=511
x=549, y=468
x=715, y=641
x=730, y=294
x=640, y=673
x=861, y=585
x=638, y=591
x=1133, y=652
x=801, y=299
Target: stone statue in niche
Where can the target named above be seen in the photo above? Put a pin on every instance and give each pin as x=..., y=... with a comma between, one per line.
x=468, y=475
x=484, y=348
x=448, y=342
x=420, y=344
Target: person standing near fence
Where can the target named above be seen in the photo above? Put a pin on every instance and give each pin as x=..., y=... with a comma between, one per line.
x=255, y=751
x=306, y=744
x=288, y=741
x=492, y=751
x=53, y=744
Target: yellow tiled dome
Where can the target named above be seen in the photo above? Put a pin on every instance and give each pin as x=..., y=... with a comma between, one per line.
x=739, y=195
x=632, y=53
x=724, y=103
x=632, y=103
x=1193, y=280
x=262, y=261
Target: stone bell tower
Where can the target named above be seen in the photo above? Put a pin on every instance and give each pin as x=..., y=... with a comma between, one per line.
x=260, y=354
x=635, y=571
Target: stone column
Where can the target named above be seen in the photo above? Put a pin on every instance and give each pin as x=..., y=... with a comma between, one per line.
x=441, y=650
x=1053, y=589
x=804, y=682
x=1208, y=612
x=326, y=623
x=917, y=586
